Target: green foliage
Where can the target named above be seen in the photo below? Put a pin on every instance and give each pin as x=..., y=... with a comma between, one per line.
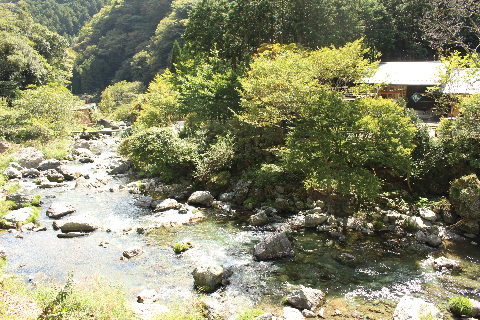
x=36, y=200
x=249, y=314
x=338, y=145
x=461, y=306
x=119, y=96
x=6, y=207
x=42, y=113
x=191, y=311
x=461, y=137
x=176, y=53
x=285, y=79
x=378, y=225
x=160, y=151
x=12, y=188
x=465, y=196
x=30, y=54
x=159, y=106
x=218, y=157
x=409, y=225
x=108, y=42
x=96, y=300
x=180, y=247
x=208, y=89
x=64, y=17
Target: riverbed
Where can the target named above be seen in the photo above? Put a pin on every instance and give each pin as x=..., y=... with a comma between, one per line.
x=385, y=269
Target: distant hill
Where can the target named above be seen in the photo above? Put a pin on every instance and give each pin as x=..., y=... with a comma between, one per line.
x=65, y=17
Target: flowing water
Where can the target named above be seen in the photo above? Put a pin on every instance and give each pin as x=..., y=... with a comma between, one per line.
x=385, y=269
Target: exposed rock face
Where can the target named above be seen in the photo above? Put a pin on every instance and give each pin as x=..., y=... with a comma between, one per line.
x=465, y=196
x=274, y=246
x=29, y=157
x=201, y=197
x=306, y=298
x=132, y=252
x=208, y=277
x=410, y=308
x=19, y=215
x=282, y=204
x=80, y=223
x=59, y=209
x=49, y=164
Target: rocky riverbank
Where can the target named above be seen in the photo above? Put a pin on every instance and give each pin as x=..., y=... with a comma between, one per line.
x=272, y=234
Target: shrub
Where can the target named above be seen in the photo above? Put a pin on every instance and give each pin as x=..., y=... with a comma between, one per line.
x=117, y=99
x=461, y=306
x=160, y=151
x=218, y=157
x=180, y=247
x=42, y=113
x=249, y=314
x=465, y=196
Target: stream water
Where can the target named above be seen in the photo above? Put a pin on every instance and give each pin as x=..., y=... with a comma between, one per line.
x=385, y=270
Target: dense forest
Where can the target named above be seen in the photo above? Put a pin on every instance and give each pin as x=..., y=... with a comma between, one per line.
x=247, y=69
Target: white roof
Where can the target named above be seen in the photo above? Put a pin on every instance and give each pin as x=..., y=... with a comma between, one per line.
x=424, y=73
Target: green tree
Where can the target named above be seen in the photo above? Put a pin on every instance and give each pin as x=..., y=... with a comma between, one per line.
x=176, y=52
x=338, y=145
x=30, y=54
x=44, y=113
x=117, y=99
x=160, y=104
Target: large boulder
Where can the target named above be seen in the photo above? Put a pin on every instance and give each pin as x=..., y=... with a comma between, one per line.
x=29, y=157
x=274, y=246
x=12, y=173
x=53, y=175
x=144, y=202
x=207, y=277
x=107, y=123
x=306, y=298
x=465, y=196
x=118, y=166
x=410, y=308
x=148, y=296
x=19, y=215
x=67, y=173
x=49, y=164
x=164, y=205
x=81, y=144
x=30, y=173
x=59, y=209
x=241, y=190
x=258, y=219
x=428, y=214
x=80, y=223
x=470, y=226
x=203, y=198
x=314, y=219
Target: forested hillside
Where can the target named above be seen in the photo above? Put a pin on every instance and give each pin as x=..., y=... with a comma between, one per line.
x=121, y=42
x=66, y=17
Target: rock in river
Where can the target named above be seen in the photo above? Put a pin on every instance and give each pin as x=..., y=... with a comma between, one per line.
x=207, y=277
x=80, y=223
x=19, y=215
x=204, y=198
x=59, y=209
x=306, y=298
x=410, y=308
x=274, y=246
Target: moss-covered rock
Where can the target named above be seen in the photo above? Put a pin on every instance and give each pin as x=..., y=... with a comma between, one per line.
x=465, y=196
